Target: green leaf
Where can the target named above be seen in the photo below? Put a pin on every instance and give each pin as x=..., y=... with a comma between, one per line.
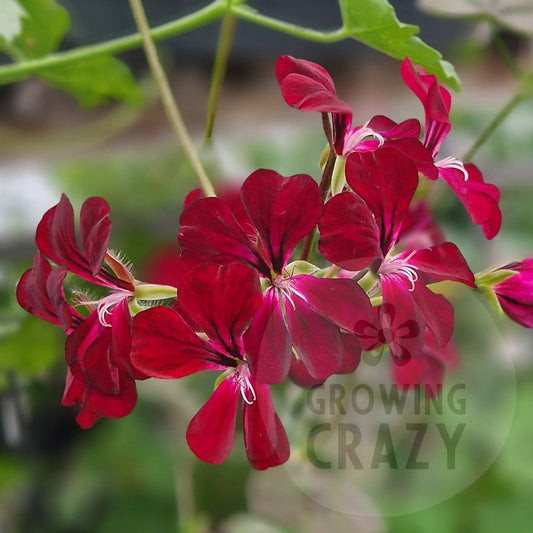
x=516, y=15
x=10, y=21
x=374, y=23
x=95, y=81
x=44, y=25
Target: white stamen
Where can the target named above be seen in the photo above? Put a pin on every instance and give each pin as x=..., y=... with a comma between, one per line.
x=242, y=376
x=452, y=162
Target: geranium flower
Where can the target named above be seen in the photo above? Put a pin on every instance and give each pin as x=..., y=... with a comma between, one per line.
x=261, y=228
x=359, y=229
x=220, y=301
x=479, y=198
x=308, y=86
x=100, y=378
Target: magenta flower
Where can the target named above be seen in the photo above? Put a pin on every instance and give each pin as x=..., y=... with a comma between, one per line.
x=359, y=230
x=220, y=301
x=308, y=87
x=261, y=228
x=515, y=292
x=479, y=198
x=100, y=378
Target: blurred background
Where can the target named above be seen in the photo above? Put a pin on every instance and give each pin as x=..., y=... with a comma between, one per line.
x=136, y=474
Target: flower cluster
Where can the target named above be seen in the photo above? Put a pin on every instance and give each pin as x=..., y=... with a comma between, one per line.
x=282, y=278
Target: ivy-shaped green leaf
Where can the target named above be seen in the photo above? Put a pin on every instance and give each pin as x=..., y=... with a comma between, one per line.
x=10, y=21
x=93, y=81
x=374, y=23
x=516, y=15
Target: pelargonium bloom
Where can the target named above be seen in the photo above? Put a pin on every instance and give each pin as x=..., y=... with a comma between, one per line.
x=260, y=228
x=220, y=300
x=308, y=86
x=100, y=377
x=479, y=198
x=359, y=230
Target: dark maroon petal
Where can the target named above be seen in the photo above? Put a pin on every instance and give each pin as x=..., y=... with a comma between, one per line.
x=308, y=86
x=300, y=376
x=95, y=404
x=442, y=262
x=56, y=238
x=402, y=324
x=348, y=234
x=121, y=342
x=479, y=198
x=283, y=210
x=40, y=292
x=342, y=301
x=386, y=180
x=87, y=352
x=166, y=266
x=267, y=342
x=164, y=346
x=317, y=341
x=211, y=432
x=264, y=436
x=95, y=230
x=418, y=154
x=209, y=232
x=221, y=300
x=369, y=331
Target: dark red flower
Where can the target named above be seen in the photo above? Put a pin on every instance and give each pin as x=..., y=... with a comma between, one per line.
x=260, y=229
x=359, y=230
x=221, y=300
x=98, y=342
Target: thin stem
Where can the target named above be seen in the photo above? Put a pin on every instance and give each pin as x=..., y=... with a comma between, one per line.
x=169, y=104
x=496, y=121
x=202, y=17
x=245, y=13
x=225, y=40
x=325, y=183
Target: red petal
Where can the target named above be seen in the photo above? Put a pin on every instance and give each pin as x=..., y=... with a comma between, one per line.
x=317, y=341
x=264, y=436
x=386, y=180
x=221, y=300
x=55, y=236
x=211, y=432
x=479, y=198
x=87, y=352
x=40, y=292
x=267, y=342
x=308, y=87
x=283, y=210
x=342, y=301
x=164, y=346
x=209, y=232
x=348, y=233
x=442, y=262
x=95, y=229
x=95, y=404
